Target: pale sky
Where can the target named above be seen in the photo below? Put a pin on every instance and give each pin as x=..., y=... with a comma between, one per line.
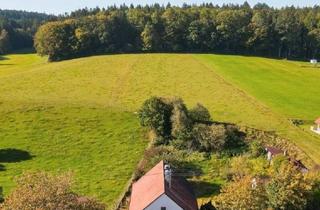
x=62, y=6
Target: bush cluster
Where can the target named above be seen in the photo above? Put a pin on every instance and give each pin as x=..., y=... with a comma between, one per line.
x=192, y=130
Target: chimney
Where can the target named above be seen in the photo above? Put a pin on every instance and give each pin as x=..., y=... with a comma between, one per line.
x=167, y=174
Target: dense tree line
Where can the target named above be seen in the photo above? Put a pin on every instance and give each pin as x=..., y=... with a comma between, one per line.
x=288, y=32
x=17, y=29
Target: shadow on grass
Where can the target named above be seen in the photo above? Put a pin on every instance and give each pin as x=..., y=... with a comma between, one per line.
x=2, y=168
x=187, y=169
x=205, y=189
x=13, y=156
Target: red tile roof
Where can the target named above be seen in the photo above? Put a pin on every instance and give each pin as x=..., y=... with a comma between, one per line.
x=152, y=185
x=317, y=121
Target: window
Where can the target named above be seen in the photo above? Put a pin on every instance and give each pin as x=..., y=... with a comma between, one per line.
x=163, y=208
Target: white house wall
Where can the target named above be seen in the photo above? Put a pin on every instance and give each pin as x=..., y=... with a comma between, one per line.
x=163, y=201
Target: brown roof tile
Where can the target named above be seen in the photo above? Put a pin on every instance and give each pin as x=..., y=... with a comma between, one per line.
x=274, y=150
x=152, y=185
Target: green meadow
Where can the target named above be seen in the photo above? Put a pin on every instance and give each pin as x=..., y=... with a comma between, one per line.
x=78, y=115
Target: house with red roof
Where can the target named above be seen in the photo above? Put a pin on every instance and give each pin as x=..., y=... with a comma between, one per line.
x=161, y=189
x=316, y=128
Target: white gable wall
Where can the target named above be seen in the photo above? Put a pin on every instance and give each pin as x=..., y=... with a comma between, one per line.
x=163, y=201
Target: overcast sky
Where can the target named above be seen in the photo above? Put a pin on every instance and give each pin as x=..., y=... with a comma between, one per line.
x=62, y=6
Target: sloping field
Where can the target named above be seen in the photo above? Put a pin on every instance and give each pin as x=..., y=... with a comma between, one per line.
x=78, y=114
x=288, y=87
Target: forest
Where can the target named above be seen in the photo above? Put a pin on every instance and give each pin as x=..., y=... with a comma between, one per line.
x=17, y=29
x=289, y=32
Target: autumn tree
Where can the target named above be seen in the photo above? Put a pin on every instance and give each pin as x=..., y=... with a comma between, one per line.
x=288, y=189
x=46, y=191
x=56, y=39
x=241, y=194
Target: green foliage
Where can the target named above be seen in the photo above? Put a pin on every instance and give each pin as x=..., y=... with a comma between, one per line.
x=234, y=138
x=4, y=42
x=150, y=38
x=288, y=189
x=154, y=155
x=17, y=29
x=256, y=148
x=210, y=138
x=180, y=120
x=56, y=39
x=45, y=191
x=239, y=194
x=199, y=113
x=1, y=195
x=186, y=141
x=156, y=114
x=204, y=28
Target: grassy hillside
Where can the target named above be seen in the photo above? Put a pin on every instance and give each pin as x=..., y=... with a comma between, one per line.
x=101, y=145
x=289, y=87
x=78, y=114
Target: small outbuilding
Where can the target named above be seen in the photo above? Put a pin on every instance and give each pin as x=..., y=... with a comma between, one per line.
x=161, y=189
x=272, y=152
x=316, y=128
x=314, y=61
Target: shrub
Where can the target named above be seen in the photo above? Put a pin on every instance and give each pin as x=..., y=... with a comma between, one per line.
x=256, y=149
x=46, y=191
x=288, y=189
x=234, y=137
x=240, y=194
x=199, y=113
x=154, y=155
x=181, y=123
x=186, y=141
x=156, y=114
x=210, y=138
x=240, y=166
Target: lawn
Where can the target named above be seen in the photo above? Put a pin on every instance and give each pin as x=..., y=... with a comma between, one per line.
x=288, y=87
x=100, y=146
x=79, y=114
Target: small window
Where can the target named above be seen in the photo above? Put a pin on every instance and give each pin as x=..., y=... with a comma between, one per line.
x=163, y=208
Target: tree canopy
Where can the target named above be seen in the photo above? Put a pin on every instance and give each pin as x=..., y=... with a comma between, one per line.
x=17, y=29
x=261, y=30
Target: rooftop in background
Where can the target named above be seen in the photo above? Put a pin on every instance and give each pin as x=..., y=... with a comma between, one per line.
x=60, y=7
x=274, y=150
